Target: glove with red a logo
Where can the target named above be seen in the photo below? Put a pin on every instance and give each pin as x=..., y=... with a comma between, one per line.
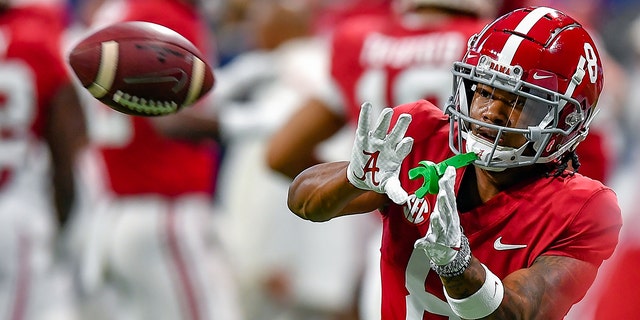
x=377, y=154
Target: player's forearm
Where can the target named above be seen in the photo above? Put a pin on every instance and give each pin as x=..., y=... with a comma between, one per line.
x=544, y=291
x=321, y=192
x=291, y=166
x=470, y=282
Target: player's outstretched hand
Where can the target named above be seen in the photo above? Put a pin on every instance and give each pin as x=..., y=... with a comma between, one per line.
x=377, y=155
x=443, y=239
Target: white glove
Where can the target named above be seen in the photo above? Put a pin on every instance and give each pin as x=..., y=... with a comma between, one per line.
x=376, y=156
x=443, y=239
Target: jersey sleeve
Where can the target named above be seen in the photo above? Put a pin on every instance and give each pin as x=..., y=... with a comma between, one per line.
x=593, y=234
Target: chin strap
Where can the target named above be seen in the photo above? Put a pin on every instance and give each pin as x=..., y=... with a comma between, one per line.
x=432, y=172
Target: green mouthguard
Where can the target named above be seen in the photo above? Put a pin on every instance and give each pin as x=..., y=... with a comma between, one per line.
x=432, y=172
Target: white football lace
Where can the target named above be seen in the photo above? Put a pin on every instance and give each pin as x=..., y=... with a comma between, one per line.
x=150, y=107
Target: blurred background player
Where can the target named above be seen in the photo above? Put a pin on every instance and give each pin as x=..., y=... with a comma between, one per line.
x=147, y=244
x=278, y=256
x=42, y=130
x=390, y=59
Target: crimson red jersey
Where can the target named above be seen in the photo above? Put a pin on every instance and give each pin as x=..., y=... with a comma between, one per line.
x=390, y=60
x=146, y=161
x=571, y=216
x=332, y=14
x=31, y=72
x=31, y=66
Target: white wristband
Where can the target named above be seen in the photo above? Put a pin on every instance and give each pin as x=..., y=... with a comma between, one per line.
x=482, y=303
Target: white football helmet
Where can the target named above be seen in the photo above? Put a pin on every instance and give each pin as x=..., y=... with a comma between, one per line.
x=550, y=62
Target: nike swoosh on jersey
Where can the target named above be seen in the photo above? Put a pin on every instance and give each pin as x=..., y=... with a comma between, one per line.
x=537, y=76
x=498, y=245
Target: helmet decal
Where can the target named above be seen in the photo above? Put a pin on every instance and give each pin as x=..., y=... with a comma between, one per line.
x=512, y=44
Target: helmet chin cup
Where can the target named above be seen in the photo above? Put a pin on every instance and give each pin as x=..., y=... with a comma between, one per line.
x=432, y=172
x=493, y=157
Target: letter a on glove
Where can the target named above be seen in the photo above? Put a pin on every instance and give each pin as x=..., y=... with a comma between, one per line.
x=377, y=154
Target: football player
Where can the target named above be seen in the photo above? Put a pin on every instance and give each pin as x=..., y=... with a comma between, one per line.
x=42, y=130
x=149, y=238
x=514, y=234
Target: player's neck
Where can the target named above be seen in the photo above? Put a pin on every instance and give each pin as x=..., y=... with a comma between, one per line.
x=488, y=184
x=468, y=187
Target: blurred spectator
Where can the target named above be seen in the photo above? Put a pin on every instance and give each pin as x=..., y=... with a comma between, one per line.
x=42, y=130
x=147, y=244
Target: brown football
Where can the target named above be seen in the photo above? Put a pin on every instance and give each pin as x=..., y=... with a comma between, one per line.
x=141, y=68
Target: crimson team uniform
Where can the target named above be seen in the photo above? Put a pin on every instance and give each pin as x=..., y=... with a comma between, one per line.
x=151, y=230
x=572, y=216
x=31, y=73
x=397, y=62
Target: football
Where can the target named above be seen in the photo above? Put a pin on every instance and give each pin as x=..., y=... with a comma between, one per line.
x=141, y=68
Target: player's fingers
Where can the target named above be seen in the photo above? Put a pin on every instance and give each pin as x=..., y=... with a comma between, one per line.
x=395, y=192
x=447, y=184
x=382, y=126
x=448, y=178
x=435, y=223
x=443, y=202
x=447, y=187
x=363, y=119
x=404, y=147
x=400, y=129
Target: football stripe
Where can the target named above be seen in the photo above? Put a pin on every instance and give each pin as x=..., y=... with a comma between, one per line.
x=106, y=71
x=197, y=80
x=512, y=44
